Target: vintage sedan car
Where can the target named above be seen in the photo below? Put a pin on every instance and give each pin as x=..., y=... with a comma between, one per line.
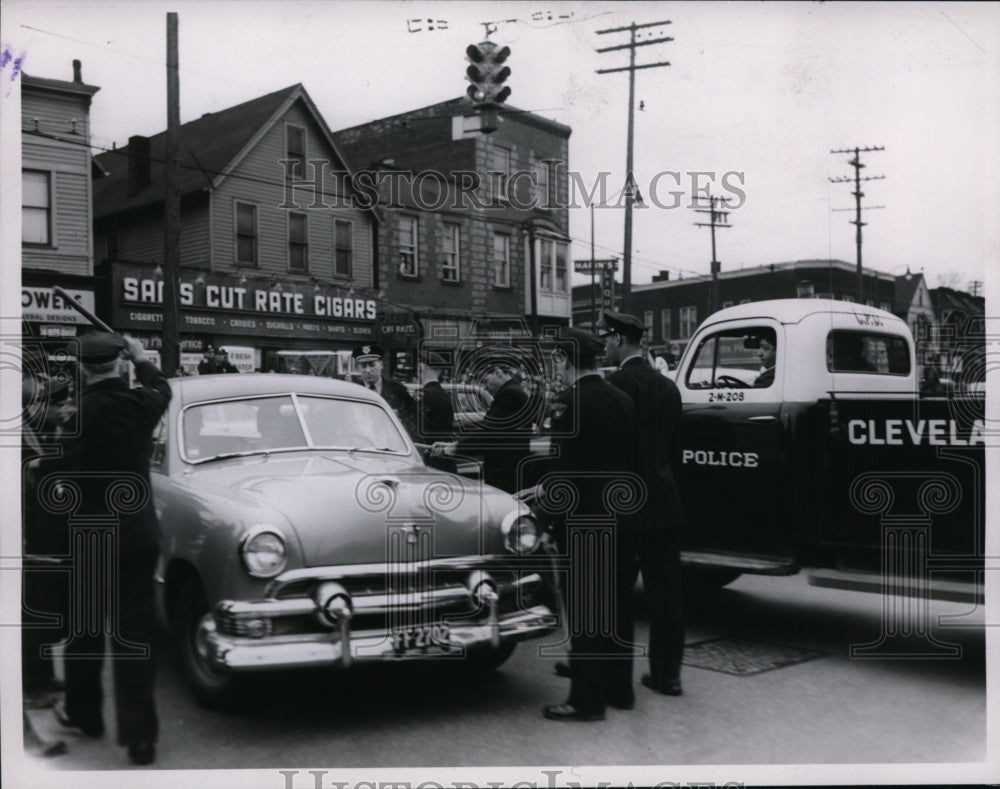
x=302, y=528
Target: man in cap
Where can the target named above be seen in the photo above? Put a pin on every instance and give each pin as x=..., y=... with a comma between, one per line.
x=503, y=437
x=112, y=448
x=592, y=434
x=208, y=365
x=368, y=361
x=222, y=363
x=660, y=523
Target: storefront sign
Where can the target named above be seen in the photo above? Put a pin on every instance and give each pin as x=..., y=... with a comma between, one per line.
x=242, y=358
x=399, y=330
x=42, y=305
x=221, y=304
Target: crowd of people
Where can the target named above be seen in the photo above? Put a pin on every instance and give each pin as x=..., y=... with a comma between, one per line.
x=613, y=441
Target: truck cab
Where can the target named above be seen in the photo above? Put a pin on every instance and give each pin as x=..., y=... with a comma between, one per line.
x=805, y=444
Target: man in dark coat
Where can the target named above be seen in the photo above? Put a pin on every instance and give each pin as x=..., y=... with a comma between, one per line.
x=436, y=420
x=222, y=363
x=436, y=414
x=593, y=428
x=108, y=461
x=368, y=361
x=660, y=523
x=503, y=437
x=208, y=364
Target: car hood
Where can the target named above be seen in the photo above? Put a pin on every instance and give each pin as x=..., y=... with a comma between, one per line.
x=345, y=507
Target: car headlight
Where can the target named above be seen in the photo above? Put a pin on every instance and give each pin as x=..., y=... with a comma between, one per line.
x=520, y=530
x=263, y=551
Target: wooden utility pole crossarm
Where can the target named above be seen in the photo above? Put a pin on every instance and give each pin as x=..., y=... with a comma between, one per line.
x=631, y=68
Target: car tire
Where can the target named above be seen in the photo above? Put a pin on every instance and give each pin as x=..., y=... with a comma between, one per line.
x=483, y=659
x=708, y=577
x=211, y=687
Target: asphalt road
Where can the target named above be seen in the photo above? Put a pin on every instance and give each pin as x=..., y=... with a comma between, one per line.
x=770, y=680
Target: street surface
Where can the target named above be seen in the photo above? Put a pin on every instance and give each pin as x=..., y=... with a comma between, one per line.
x=825, y=708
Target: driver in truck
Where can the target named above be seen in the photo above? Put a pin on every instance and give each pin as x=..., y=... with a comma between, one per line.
x=767, y=347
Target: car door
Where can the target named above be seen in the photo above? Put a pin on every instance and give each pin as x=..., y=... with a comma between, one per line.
x=732, y=454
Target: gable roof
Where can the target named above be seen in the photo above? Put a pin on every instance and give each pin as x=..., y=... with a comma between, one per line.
x=906, y=288
x=209, y=149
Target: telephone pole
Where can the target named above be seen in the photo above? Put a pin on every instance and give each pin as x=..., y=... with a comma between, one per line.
x=718, y=218
x=170, y=350
x=859, y=289
x=631, y=68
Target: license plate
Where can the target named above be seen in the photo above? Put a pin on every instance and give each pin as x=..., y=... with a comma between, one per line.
x=424, y=638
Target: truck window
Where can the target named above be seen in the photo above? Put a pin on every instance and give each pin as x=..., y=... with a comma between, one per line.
x=867, y=352
x=734, y=358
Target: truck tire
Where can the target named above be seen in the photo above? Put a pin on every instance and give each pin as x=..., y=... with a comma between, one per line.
x=212, y=688
x=708, y=577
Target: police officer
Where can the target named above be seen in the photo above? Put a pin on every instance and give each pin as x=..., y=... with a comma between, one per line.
x=114, y=441
x=222, y=363
x=503, y=437
x=660, y=524
x=208, y=364
x=368, y=360
x=593, y=427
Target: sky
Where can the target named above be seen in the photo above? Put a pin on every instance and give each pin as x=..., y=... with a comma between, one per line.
x=757, y=94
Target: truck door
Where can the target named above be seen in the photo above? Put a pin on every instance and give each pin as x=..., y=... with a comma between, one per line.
x=732, y=464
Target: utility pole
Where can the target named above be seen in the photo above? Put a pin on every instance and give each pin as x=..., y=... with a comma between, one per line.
x=593, y=276
x=859, y=289
x=718, y=218
x=631, y=68
x=170, y=359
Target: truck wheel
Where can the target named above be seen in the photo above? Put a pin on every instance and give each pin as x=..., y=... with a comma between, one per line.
x=485, y=659
x=211, y=687
x=708, y=577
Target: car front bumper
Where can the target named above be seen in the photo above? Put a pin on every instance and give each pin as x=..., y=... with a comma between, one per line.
x=342, y=628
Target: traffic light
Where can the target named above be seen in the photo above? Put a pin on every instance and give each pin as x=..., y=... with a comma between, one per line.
x=487, y=74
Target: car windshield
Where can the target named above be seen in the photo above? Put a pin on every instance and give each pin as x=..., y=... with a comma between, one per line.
x=286, y=422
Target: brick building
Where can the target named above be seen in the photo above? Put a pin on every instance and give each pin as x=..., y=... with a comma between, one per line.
x=673, y=308
x=474, y=237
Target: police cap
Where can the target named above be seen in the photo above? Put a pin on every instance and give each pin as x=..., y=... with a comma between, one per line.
x=582, y=347
x=622, y=323
x=368, y=353
x=98, y=347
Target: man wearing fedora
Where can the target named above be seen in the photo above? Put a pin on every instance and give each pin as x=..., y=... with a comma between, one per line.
x=368, y=361
x=660, y=524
